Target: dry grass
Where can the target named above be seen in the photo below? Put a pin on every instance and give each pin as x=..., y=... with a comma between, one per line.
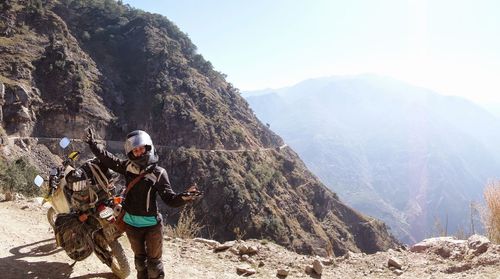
x=492, y=216
x=187, y=227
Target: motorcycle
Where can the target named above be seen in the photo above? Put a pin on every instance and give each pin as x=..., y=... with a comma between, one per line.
x=84, y=226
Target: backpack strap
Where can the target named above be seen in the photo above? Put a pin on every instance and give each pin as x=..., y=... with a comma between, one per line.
x=133, y=182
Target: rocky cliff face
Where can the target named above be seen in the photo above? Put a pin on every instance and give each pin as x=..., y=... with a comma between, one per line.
x=67, y=65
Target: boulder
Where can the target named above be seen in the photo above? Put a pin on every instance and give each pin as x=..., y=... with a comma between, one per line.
x=395, y=262
x=437, y=242
x=317, y=266
x=478, y=244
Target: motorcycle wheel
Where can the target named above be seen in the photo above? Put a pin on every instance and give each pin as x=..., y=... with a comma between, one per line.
x=51, y=217
x=119, y=264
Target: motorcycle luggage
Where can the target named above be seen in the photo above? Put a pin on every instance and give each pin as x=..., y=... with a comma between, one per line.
x=73, y=236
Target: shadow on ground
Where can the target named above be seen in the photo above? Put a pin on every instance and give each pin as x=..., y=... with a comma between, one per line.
x=24, y=264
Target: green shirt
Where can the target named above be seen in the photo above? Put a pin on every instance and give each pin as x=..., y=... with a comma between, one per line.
x=139, y=221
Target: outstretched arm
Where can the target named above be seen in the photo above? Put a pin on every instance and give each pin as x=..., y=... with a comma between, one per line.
x=107, y=158
x=165, y=191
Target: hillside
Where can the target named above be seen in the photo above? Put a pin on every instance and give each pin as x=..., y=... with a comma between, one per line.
x=68, y=65
x=28, y=250
x=407, y=155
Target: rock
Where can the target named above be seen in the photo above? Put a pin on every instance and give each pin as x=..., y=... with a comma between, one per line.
x=2, y=197
x=351, y=255
x=226, y=245
x=436, y=242
x=209, y=242
x=309, y=269
x=8, y=196
x=24, y=114
x=22, y=94
x=329, y=261
x=19, y=197
x=261, y=264
x=317, y=266
x=245, y=270
x=252, y=261
x=245, y=257
x=283, y=272
x=478, y=244
x=24, y=207
x=234, y=251
x=394, y=262
x=242, y=249
x=252, y=250
x=444, y=252
x=2, y=93
x=398, y=272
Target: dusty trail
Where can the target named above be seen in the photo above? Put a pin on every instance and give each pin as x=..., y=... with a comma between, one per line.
x=28, y=250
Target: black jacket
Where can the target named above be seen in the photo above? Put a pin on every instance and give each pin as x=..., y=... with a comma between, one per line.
x=141, y=199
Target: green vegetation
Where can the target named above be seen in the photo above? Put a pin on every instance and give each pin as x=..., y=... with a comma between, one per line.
x=18, y=176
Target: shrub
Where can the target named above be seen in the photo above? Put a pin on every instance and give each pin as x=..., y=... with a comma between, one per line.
x=18, y=177
x=187, y=227
x=492, y=216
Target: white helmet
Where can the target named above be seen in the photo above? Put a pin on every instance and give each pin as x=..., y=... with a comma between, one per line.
x=140, y=138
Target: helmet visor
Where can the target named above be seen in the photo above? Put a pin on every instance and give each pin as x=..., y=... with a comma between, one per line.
x=141, y=139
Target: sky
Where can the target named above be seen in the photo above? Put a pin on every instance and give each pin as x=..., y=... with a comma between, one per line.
x=449, y=46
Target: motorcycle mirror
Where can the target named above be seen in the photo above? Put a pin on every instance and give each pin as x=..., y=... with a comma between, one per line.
x=64, y=142
x=38, y=181
x=53, y=171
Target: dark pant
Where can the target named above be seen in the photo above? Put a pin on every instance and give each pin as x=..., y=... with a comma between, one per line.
x=147, y=245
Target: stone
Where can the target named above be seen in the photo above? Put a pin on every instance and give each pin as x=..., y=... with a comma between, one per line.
x=394, y=262
x=245, y=270
x=24, y=114
x=252, y=250
x=329, y=261
x=317, y=266
x=398, y=272
x=436, y=242
x=226, y=245
x=309, y=269
x=209, y=242
x=245, y=257
x=478, y=244
x=8, y=196
x=234, y=251
x=283, y=272
x=2, y=93
x=243, y=249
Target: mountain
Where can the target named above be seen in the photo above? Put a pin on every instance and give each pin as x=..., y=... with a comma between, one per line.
x=71, y=64
x=407, y=155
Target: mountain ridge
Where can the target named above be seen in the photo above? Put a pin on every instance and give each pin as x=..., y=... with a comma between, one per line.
x=69, y=65
x=389, y=148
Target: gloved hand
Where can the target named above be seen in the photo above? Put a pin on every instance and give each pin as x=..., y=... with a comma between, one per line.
x=90, y=136
x=191, y=193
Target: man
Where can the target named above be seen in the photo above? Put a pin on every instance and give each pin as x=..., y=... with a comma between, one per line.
x=144, y=228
